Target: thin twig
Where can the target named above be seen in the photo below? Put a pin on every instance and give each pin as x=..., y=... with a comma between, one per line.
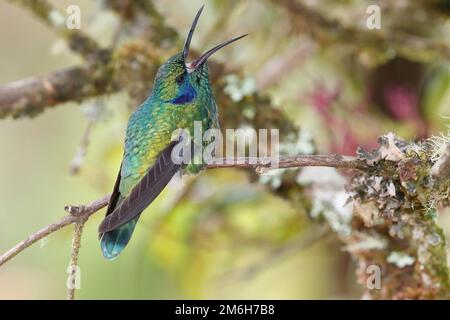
x=11, y=253
x=73, y=267
x=80, y=154
x=333, y=160
x=78, y=41
x=85, y=211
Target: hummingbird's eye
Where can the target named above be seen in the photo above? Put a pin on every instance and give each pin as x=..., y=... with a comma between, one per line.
x=180, y=78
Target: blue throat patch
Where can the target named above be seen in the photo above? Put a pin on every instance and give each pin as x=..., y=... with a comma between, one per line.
x=187, y=94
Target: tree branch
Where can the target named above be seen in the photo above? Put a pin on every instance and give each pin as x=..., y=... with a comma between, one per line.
x=73, y=266
x=331, y=30
x=441, y=169
x=106, y=71
x=392, y=170
x=76, y=213
x=80, y=154
x=29, y=97
x=83, y=212
x=54, y=18
x=333, y=160
x=11, y=253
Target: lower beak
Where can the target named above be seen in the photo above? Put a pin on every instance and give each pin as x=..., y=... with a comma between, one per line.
x=198, y=62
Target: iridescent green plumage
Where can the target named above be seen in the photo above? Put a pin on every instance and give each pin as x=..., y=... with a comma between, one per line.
x=181, y=95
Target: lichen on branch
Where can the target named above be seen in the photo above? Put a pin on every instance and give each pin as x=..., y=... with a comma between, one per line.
x=396, y=202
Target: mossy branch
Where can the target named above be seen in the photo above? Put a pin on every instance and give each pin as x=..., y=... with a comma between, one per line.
x=79, y=213
x=330, y=31
x=30, y=97
x=77, y=40
x=391, y=184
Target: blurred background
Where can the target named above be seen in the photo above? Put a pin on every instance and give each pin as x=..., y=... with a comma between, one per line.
x=222, y=234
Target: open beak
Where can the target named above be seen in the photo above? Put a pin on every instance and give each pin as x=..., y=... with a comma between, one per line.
x=198, y=62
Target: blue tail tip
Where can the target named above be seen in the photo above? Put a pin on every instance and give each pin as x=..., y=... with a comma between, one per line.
x=110, y=249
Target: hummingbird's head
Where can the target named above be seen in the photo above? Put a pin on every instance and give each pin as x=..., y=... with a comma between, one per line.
x=179, y=81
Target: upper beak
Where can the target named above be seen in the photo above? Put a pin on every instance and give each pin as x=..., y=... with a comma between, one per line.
x=198, y=62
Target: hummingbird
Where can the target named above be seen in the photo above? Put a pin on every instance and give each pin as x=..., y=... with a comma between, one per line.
x=181, y=95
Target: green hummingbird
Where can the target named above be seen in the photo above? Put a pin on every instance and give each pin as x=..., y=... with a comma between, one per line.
x=180, y=96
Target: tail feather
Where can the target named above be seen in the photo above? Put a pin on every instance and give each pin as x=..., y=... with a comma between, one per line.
x=113, y=242
x=123, y=213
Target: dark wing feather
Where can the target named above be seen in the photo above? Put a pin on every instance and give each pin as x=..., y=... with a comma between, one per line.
x=143, y=194
x=115, y=194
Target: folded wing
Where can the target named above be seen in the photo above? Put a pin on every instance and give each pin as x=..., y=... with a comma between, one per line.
x=143, y=194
